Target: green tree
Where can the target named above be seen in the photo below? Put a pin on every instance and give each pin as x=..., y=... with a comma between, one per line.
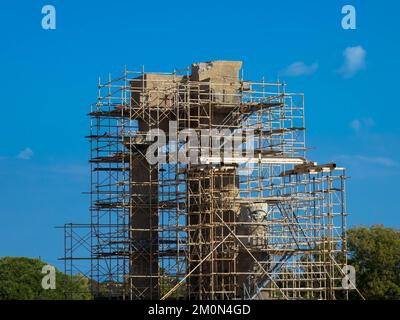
x=375, y=254
x=21, y=279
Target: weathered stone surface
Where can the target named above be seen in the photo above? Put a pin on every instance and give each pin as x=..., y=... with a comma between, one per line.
x=216, y=71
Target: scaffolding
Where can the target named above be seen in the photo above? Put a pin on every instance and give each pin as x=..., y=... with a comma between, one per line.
x=224, y=226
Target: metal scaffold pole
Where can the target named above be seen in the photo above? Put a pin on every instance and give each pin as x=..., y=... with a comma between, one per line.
x=257, y=222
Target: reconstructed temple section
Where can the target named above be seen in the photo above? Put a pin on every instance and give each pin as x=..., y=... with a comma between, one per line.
x=201, y=189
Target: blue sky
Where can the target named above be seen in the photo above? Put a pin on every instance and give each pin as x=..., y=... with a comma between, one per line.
x=48, y=80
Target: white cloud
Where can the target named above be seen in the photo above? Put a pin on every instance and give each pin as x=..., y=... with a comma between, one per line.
x=299, y=69
x=357, y=160
x=355, y=125
x=371, y=166
x=354, y=61
x=25, y=154
x=382, y=161
x=362, y=124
